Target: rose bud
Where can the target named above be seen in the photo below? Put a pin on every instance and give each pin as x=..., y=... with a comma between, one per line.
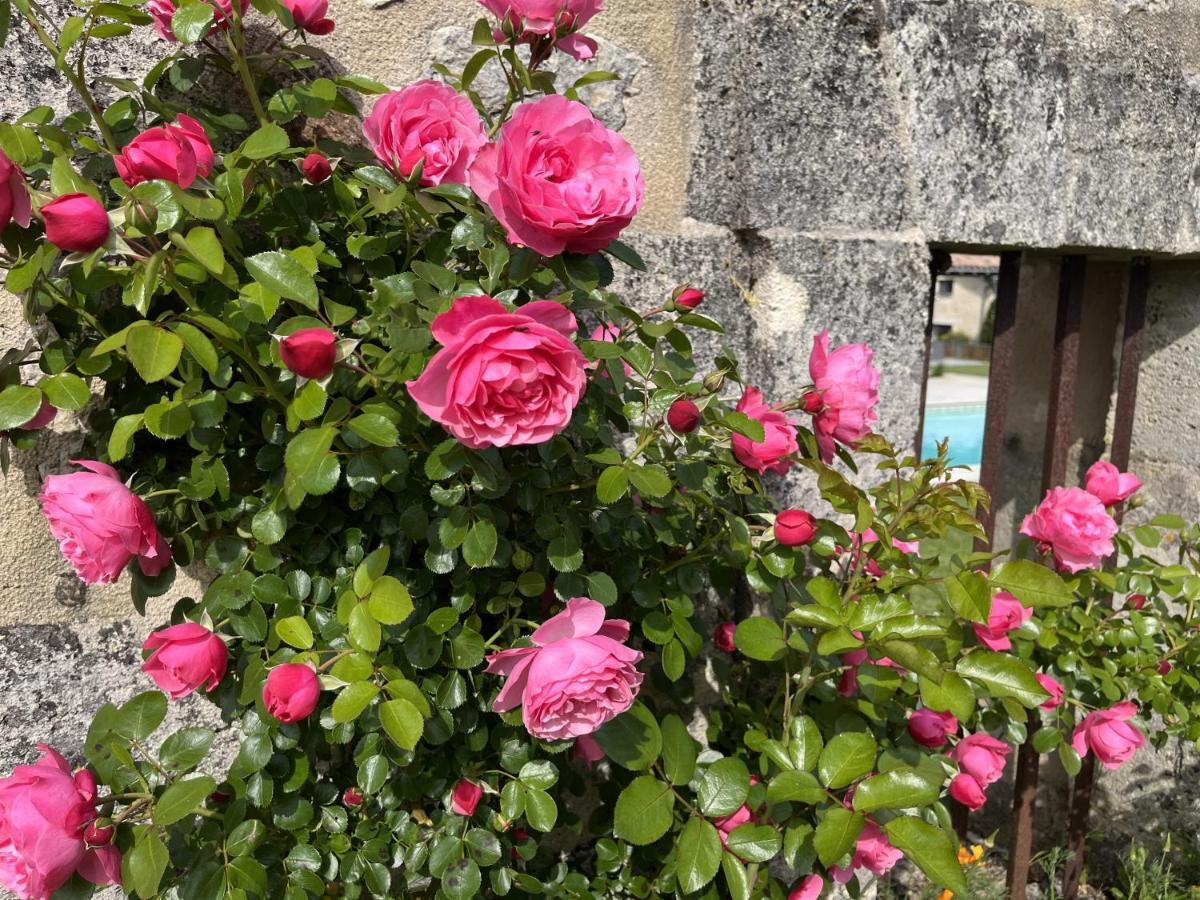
x=352, y=798
x=1051, y=686
x=683, y=416
x=291, y=692
x=316, y=168
x=465, y=797
x=184, y=658
x=967, y=791
x=310, y=15
x=97, y=834
x=75, y=222
x=812, y=402
x=309, y=352
x=689, y=298
x=1135, y=601
x=930, y=728
x=723, y=637
x=45, y=415
x=808, y=889
x=14, y=199
x=795, y=527
x=1164, y=667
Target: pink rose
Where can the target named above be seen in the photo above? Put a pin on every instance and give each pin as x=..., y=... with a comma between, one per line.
x=725, y=824
x=309, y=352
x=185, y=657
x=558, y=180
x=310, y=15
x=809, y=888
x=316, y=168
x=75, y=222
x=684, y=415
x=1075, y=524
x=1052, y=687
x=351, y=798
x=14, y=199
x=607, y=333
x=1109, y=734
x=1164, y=667
x=872, y=851
x=1136, y=601
x=502, y=378
x=848, y=683
x=175, y=152
x=45, y=812
x=427, y=122
x=846, y=386
x=465, y=797
x=982, y=757
x=723, y=637
x=43, y=417
x=163, y=10
x=779, y=436
x=1007, y=614
x=101, y=525
x=577, y=675
x=795, y=527
x=1109, y=485
x=689, y=298
x=930, y=728
x=967, y=791
x=532, y=19
x=291, y=691
x=587, y=749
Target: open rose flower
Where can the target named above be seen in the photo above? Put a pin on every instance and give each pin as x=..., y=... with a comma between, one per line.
x=101, y=525
x=426, y=122
x=845, y=392
x=533, y=19
x=1109, y=734
x=558, y=180
x=1054, y=688
x=578, y=674
x=1007, y=614
x=310, y=15
x=502, y=378
x=177, y=152
x=45, y=812
x=982, y=757
x=872, y=851
x=163, y=10
x=1076, y=527
x=184, y=658
x=14, y=199
x=779, y=436
x=1110, y=485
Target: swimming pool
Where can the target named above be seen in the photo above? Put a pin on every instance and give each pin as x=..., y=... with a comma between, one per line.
x=963, y=424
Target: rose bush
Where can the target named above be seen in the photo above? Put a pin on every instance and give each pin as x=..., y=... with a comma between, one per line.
x=460, y=559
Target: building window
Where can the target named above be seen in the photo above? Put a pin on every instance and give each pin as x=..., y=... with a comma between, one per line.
x=945, y=286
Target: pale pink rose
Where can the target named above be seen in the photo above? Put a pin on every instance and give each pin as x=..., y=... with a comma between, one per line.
x=930, y=728
x=809, y=888
x=1052, y=687
x=291, y=691
x=465, y=797
x=578, y=674
x=967, y=791
x=558, y=180
x=587, y=749
x=185, y=657
x=779, y=436
x=1109, y=485
x=14, y=199
x=982, y=757
x=1110, y=734
x=45, y=812
x=502, y=378
x=846, y=386
x=426, y=122
x=101, y=525
x=872, y=852
x=1007, y=614
x=163, y=10
x=310, y=15
x=531, y=19
x=175, y=152
x=1075, y=525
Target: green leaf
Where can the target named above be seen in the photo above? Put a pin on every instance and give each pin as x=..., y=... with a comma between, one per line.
x=268, y=526
x=198, y=345
x=612, y=484
x=18, y=404
x=1032, y=583
x=390, y=602
x=653, y=481
x=138, y=717
x=402, y=721
x=203, y=245
x=678, y=750
x=1003, y=676
x=900, y=788
x=626, y=254
x=461, y=880
x=737, y=879
x=795, y=787
x=697, y=855
x=633, y=739
x=306, y=453
x=847, y=757
x=952, y=695
x=182, y=799
x=245, y=837
x=723, y=787
x=930, y=848
x=353, y=699
x=365, y=633
x=65, y=391
x=644, y=810
x=122, y=434
x=282, y=274
x=970, y=595
x=142, y=867
x=154, y=351
x=805, y=743
x=267, y=141
x=760, y=638
x=754, y=843
x=191, y=22
x=1069, y=758
x=479, y=548
x=836, y=833
x=295, y=632
x=375, y=429
x=185, y=748
x=541, y=811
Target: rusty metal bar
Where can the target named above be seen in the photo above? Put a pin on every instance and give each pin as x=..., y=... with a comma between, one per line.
x=939, y=262
x=999, y=378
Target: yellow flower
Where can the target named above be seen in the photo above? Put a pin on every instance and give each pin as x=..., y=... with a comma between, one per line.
x=965, y=856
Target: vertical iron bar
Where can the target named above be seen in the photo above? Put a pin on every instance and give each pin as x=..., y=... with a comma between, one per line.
x=999, y=378
x=939, y=262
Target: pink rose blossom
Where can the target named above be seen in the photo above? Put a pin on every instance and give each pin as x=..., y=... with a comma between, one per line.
x=982, y=757
x=1052, y=687
x=809, y=888
x=291, y=692
x=578, y=674
x=684, y=415
x=426, y=122
x=847, y=385
x=558, y=180
x=1136, y=601
x=352, y=798
x=175, y=152
x=848, y=683
x=725, y=824
x=310, y=15
x=689, y=298
x=723, y=637
x=1109, y=734
x=163, y=10
x=1007, y=614
x=795, y=527
x=76, y=223
x=872, y=851
x=1075, y=525
x=45, y=812
x=967, y=791
x=502, y=378
x=608, y=333
x=533, y=19
x=14, y=199
x=184, y=658
x=930, y=728
x=1164, y=667
x=101, y=525
x=1109, y=485
x=309, y=352
x=43, y=417
x=779, y=436
x=587, y=749
x=465, y=797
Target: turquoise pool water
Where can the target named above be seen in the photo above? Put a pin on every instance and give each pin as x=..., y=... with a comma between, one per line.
x=963, y=424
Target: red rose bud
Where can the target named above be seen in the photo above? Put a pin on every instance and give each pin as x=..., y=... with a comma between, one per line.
x=795, y=527
x=723, y=637
x=689, y=299
x=96, y=834
x=465, y=797
x=219, y=797
x=1164, y=667
x=309, y=352
x=1136, y=601
x=45, y=415
x=316, y=168
x=683, y=416
x=75, y=222
x=813, y=403
x=967, y=791
x=352, y=798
